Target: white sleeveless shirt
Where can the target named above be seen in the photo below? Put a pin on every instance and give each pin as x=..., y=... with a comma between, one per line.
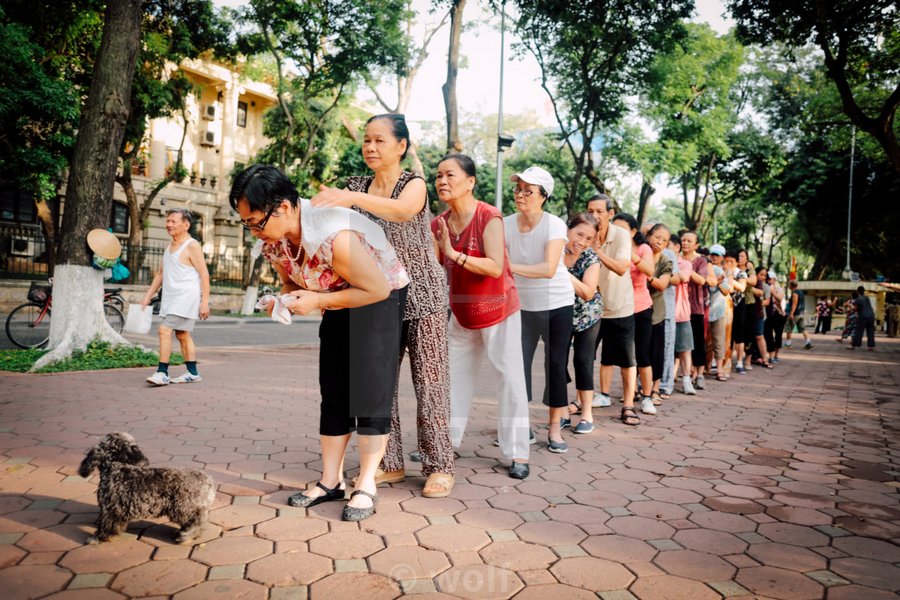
x=181, y=285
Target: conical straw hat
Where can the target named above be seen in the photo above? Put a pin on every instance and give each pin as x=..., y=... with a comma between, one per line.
x=104, y=244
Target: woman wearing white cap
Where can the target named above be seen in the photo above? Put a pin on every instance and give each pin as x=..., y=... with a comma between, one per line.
x=535, y=240
x=719, y=297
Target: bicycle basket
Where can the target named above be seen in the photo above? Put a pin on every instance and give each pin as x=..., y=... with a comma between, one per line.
x=38, y=292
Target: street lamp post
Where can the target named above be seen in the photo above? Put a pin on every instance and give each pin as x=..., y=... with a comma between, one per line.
x=498, y=199
x=848, y=272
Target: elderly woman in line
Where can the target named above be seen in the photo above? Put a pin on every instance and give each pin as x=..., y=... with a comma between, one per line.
x=396, y=200
x=338, y=262
x=535, y=240
x=485, y=320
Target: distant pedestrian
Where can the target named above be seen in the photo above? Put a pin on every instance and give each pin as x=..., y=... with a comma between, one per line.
x=824, y=308
x=662, y=316
x=184, y=279
x=850, y=318
x=795, y=315
x=865, y=320
x=684, y=336
x=719, y=296
x=775, y=320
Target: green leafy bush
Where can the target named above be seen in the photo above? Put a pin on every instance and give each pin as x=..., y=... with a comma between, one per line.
x=98, y=355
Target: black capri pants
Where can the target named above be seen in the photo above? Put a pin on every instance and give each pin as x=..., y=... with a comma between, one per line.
x=737, y=324
x=658, y=349
x=643, y=330
x=358, y=366
x=584, y=347
x=617, y=336
x=555, y=328
x=698, y=328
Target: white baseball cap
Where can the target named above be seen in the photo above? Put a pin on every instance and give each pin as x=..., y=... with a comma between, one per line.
x=717, y=249
x=536, y=176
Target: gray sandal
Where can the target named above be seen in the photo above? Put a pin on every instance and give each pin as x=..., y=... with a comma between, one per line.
x=351, y=513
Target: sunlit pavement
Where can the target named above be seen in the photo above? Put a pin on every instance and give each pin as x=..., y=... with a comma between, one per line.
x=780, y=483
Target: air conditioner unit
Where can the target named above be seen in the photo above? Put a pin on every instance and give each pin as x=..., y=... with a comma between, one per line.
x=209, y=137
x=211, y=111
x=21, y=246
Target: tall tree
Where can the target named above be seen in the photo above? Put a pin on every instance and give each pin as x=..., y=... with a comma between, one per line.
x=78, y=288
x=330, y=44
x=451, y=108
x=593, y=55
x=693, y=101
x=172, y=31
x=860, y=45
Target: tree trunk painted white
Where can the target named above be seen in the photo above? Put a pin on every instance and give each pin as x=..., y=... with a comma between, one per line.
x=250, y=295
x=77, y=313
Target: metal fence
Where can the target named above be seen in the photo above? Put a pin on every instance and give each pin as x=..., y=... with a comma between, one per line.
x=23, y=255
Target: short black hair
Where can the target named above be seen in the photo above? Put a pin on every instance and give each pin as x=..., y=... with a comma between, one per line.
x=731, y=254
x=262, y=186
x=861, y=290
x=186, y=215
x=610, y=203
x=464, y=161
x=398, y=128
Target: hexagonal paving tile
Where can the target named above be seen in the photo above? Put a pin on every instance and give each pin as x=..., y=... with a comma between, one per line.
x=433, y=506
x=640, y=528
x=694, y=565
x=868, y=572
x=110, y=557
x=712, y=542
x=159, y=578
x=355, y=585
x=479, y=581
x=289, y=568
x=298, y=529
x=653, y=509
x=618, y=548
x=240, y=515
x=490, y=518
x=795, y=535
x=554, y=590
x=33, y=581
x=452, y=538
x=591, y=573
x=778, y=583
x=868, y=548
x=408, y=562
x=237, y=550
x=85, y=594
x=233, y=589
x=517, y=556
x=787, y=557
x=346, y=544
x=721, y=521
x=666, y=587
x=550, y=533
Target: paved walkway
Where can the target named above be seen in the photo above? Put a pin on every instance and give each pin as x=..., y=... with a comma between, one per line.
x=779, y=484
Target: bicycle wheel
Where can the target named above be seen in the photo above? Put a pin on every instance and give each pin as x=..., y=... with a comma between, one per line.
x=114, y=317
x=27, y=328
x=117, y=301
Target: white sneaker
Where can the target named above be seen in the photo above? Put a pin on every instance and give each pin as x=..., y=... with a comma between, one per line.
x=688, y=386
x=601, y=400
x=158, y=379
x=787, y=343
x=647, y=406
x=187, y=378
x=700, y=384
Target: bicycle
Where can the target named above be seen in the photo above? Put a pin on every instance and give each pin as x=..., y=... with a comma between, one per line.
x=28, y=325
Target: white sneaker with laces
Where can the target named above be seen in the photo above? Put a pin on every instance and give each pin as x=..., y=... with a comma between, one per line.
x=688, y=386
x=647, y=406
x=600, y=400
x=187, y=378
x=158, y=379
x=700, y=384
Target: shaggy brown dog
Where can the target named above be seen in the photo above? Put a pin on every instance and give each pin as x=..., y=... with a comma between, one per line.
x=130, y=490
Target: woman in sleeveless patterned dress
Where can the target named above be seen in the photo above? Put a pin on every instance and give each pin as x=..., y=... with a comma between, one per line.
x=396, y=200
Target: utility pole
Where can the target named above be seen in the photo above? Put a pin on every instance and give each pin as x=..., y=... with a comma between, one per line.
x=847, y=271
x=498, y=200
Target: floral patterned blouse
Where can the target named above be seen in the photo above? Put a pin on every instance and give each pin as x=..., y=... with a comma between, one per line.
x=586, y=312
x=319, y=226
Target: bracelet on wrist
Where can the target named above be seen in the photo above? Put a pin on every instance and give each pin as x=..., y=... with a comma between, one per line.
x=465, y=258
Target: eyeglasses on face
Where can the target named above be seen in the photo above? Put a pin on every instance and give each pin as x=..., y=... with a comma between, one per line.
x=259, y=226
x=523, y=192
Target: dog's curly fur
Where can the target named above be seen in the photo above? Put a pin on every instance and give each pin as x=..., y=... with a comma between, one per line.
x=130, y=490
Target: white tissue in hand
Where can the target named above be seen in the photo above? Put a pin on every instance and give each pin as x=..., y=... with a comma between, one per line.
x=280, y=312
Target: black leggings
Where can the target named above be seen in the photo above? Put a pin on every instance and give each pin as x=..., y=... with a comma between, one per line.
x=772, y=331
x=358, y=366
x=555, y=328
x=643, y=327
x=584, y=347
x=698, y=329
x=658, y=349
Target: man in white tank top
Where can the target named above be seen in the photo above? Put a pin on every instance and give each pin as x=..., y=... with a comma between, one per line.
x=185, y=285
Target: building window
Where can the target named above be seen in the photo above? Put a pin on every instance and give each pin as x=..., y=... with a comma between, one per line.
x=118, y=221
x=242, y=114
x=196, y=230
x=16, y=206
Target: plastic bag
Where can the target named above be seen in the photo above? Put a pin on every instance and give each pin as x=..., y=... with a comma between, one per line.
x=139, y=318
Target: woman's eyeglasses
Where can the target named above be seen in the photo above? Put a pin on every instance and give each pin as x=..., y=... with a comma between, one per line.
x=521, y=192
x=261, y=224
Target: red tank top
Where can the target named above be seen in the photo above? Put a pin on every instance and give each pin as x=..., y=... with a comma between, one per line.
x=478, y=301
